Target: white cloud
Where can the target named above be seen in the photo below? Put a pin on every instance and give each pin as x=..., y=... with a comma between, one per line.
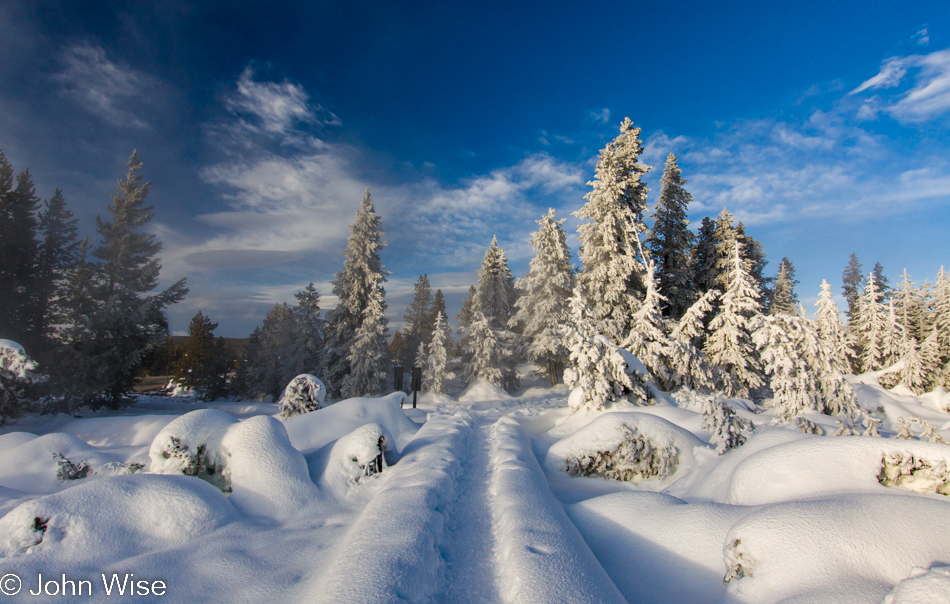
x=276, y=107
x=601, y=115
x=922, y=37
x=103, y=88
x=929, y=96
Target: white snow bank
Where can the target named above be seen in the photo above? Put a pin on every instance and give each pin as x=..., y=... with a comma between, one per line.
x=626, y=446
x=11, y=345
x=482, y=390
x=656, y=548
x=922, y=587
x=34, y=465
x=312, y=431
x=820, y=466
x=14, y=439
x=851, y=548
x=541, y=554
x=191, y=445
x=391, y=553
x=352, y=458
x=114, y=518
x=269, y=477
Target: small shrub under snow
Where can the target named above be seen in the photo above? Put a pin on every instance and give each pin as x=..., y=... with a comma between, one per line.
x=808, y=427
x=68, y=470
x=726, y=427
x=191, y=445
x=362, y=453
x=635, y=458
x=739, y=564
x=303, y=394
x=914, y=473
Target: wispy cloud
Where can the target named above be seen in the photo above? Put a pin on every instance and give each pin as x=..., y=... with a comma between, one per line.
x=927, y=98
x=922, y=37
x=275, y=107
x=601, y=115
x=104, y=88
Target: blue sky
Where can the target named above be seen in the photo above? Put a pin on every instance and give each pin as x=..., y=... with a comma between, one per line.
x=823, y=125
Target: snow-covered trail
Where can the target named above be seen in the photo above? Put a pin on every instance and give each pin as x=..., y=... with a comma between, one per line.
x=469, y=550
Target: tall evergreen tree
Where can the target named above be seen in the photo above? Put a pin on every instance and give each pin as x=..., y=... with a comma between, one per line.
x=369, y=355
x=784, y=298
x=830, y=330
x=883, y=283
x=204, y=364
x=909, y=306
x=671, y=241
x=438, y=306
x=362, y=274
x=463, y=320
x=941, y=315
x=128, y=322
x=310, y=331
x=494, y=302
x=852, y=285
x=729, y=344
x=611, y=275
x=416, y=329
x=544, y=308
x=705, y=257
x=57, y=256
x=435, y=373
x=18, y=256
x=869, y=328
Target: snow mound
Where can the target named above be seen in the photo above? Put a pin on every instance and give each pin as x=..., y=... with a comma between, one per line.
x=818, y=466
x=852, y=548
x=11, y=345
x=626, y=446
x=191, y=445
x=482, y=390
x=658, y=548
x=269, y=477
x=304, y=393
x=134, y=431
x=114, y=518
x=42, y=464
x=922, y=587
x=312, y=431
x=14, y=439
x=363, y=452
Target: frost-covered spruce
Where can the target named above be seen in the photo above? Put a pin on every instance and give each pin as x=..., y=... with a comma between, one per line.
x=868, y=329
x=17, y=370
x=871, y=426
x=941, y=315
x=485, y=352
x=831, y=330
x=894, y=343
x=543, y=309
x=691, y=327
x=729, y=344
x=416, y=328
x=671, y=241
x=304, y=393
x=784, y=299
x=435, y=372
x=361, y=276
x=610, y=277
x=726, y=427
x=920, y=364
x=599, y=372
x=903, y=430
x=369, y=355
x=647, y=339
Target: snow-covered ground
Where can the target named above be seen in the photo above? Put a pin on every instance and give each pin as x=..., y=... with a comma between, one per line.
x=481, y=497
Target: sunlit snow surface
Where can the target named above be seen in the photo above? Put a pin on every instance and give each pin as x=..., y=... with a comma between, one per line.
x=473, y=503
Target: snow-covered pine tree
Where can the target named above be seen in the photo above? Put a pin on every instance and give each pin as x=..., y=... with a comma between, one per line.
x=894, y=340
x=671, y=241
x=485, y=352
x=435, y=372
x=362, y=274
x=922, y=365
x=909, y=303
x=494, y=301
x=610, y=277
x=784, y=298
x=416, y=330
x=868, y=329
x=311, y=331
x=127, y=323
x=852, y=284
x=543, y=310
x=17, y=371
x=598, y=372
x=883, y=283
x=726, y=427
x=463, y=321
x=729, y=344
x=647, y=339
x=704, y=258
x=438, y=306
x=941, y=315
x=830, y=329
x=753, y=256
x=369, y=355
x=691, y=327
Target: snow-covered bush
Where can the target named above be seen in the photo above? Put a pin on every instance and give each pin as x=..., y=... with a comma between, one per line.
x=726, y=427
x=624, y=446
x=364, y=452
x=914, y=473
x=928, y=430
x=68, y=470
x=17, y=370
x=739, y=563
x=191, y=445
x=304, y=393
x=808, y=427
x=903, y=430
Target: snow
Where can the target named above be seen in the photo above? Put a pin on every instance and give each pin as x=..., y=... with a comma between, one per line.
x=177, y=444
x=352, y=459
x=11, y=345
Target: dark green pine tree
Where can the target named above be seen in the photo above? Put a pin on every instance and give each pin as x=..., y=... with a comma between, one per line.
x=852, y=279
x=671, y=241
x=416, y=329
x=129, y=321
x=310, y=331
x=883, y=283
x=57, y=257
x=464, y=320
x=438, y=306
x=18, y=257
x=200, y=365
x=784, y=298
x=704, y=257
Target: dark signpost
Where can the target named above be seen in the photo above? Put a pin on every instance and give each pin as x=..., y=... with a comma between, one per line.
x=416, y=383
